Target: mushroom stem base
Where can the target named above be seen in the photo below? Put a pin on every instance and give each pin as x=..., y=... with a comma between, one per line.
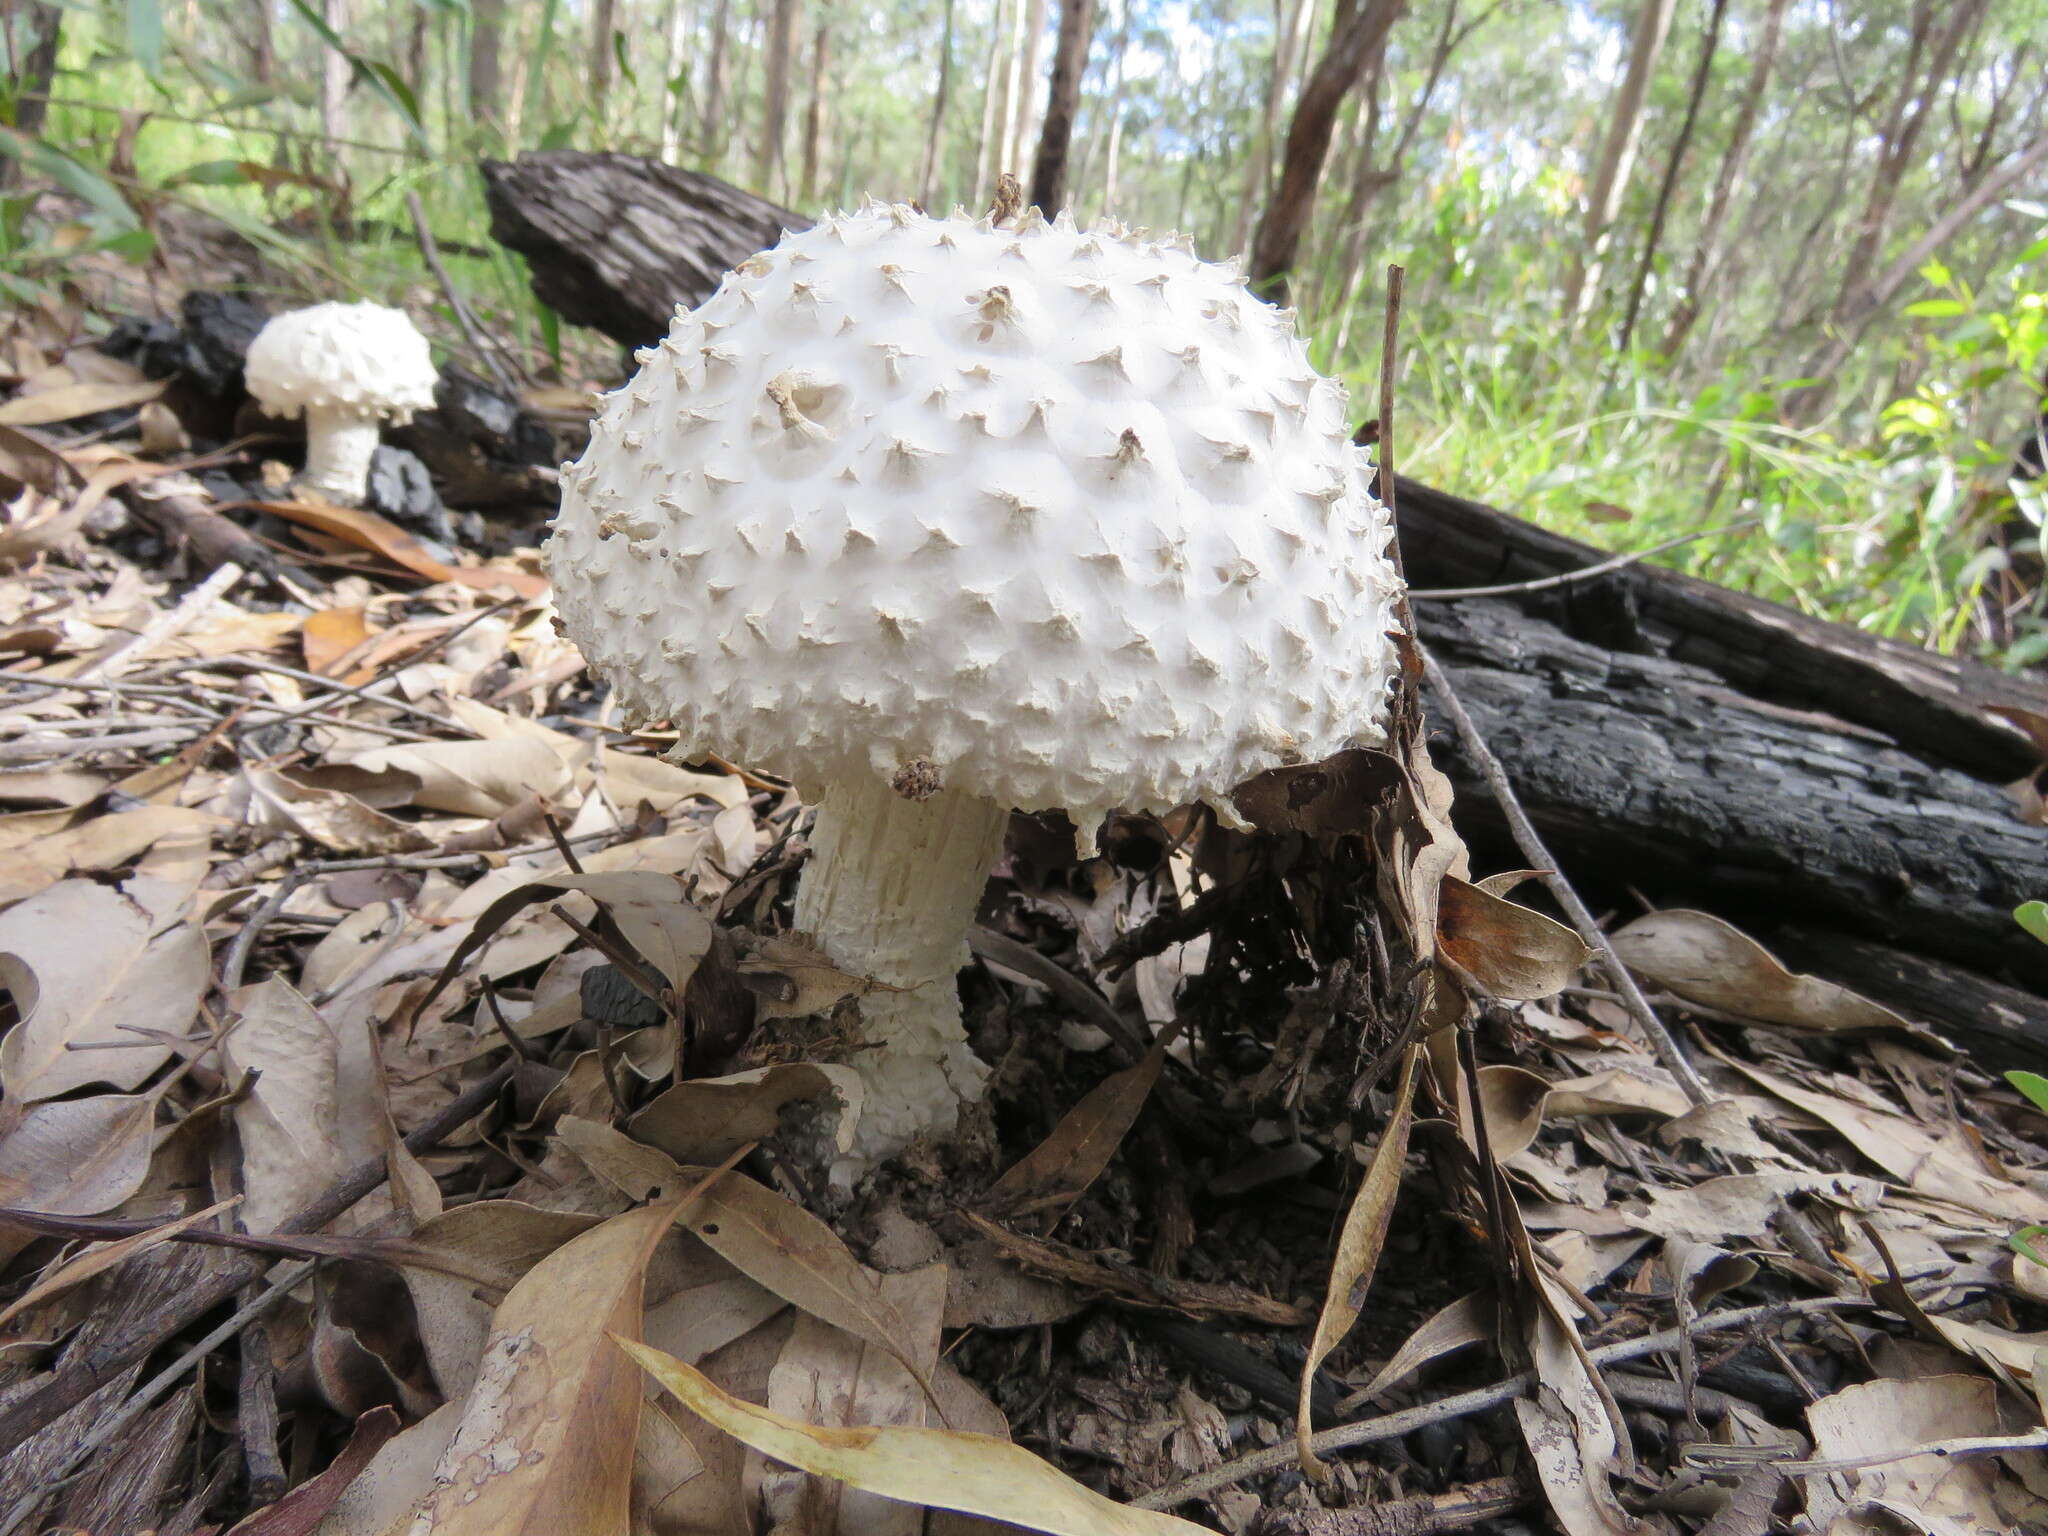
x=891, y=888
x=340, y=443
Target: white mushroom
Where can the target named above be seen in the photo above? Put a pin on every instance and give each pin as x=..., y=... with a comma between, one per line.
x=939, y=519
x=348, y=368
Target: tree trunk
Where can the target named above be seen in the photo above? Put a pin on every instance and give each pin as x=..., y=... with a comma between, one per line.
x=1113, y=141
x=928, y=166
x=1026, y=121
x=781, y=42
x=987, y=147
x=711, y=144
x=1910, y=110
x=604, y=21
x=1290, y=28
x=262, y=47
x=674, y=100
x=1692, y=289
x=34, y=33
x=486, y=81
x=1617, y=153
x=814, y=116
x=1007, y=149
x=1359, y=27
x=1710, y=44
x=1049, y=172
x=334, y=79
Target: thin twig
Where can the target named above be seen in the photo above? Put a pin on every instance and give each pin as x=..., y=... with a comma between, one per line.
x=471, y=332
x=1462, y=1405
x=1389, y=334
x=1584, y=572
x=237, y=958
x=1524, y=832
x=167, y=623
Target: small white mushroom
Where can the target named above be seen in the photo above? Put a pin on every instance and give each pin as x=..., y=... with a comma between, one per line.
x=998, y=594
x=348, y=368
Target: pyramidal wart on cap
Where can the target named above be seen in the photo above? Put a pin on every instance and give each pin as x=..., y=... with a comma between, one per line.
x=940, y=518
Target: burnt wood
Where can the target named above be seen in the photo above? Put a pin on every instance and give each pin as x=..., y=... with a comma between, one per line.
x=616, y=241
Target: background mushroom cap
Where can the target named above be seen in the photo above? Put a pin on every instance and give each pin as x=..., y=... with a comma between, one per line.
x=362, y=356
x=1068, y=517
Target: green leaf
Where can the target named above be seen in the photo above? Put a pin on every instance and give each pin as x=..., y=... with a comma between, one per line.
x=381, y=78
x=146, y=34
x=2033, y=916
x=74, y=176
x=209, y=173
x=2033, y=1085
x=1936, y=309
x=2023, y=1240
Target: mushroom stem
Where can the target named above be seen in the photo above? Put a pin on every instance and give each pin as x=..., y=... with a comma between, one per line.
x=890, y=890
x=340, y=441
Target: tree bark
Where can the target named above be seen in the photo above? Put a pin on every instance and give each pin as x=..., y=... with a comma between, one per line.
x=604, y=21
x=781, y=42
x=1290, y=28
x=486, y=80
x=334, y=79
x=1027, y=121
x=1910, y=109
x=34, y=34
x=1692, y=289
x=1114, y=110
x=1710, y=44
x=1617, y=153
x=987, y=147
x=711, y=144
x=1049, y=172
x=814, y=115
x=928, y=166
x=1359, y=27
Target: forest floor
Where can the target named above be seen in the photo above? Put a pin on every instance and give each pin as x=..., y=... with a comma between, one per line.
x=386, y=1026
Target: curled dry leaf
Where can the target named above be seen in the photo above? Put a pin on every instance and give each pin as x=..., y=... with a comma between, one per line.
x=791, y=978
x=336, y=821
x=297, y=1135
x=1880, y=1420
x=67, y=402
x=936, y=1468
x=545, y=1443
x=1512, y=952
x=100, y=978
x=1704, y=960
x=302, y=1510
x=75, y=1157
x=1057, y=1172
x=473, y=778
x=379, y=535
x=1358, y=1254
x=1467, y=1321
x=707, y=1118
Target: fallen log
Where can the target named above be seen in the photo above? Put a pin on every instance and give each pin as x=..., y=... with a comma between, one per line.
x=616, y=241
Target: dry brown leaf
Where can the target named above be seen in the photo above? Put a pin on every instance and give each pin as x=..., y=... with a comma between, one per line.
x=1358, y=1254
x=1512, y=952
x=545, y=1445
x=98, y=843
x=296, y=1134
x=336, y=821
x=936, y=1468
x=300, y=1511
x=100, y=977
x=330, y=635
x=472, y=778
x=1743, y=1204
x=705, y=1119
x=366, y=530
x=791, y=978
x=1948, y=1495
x=1057, y=1172
x=1514, y=1101
x=1618, y=1091
x=1707, y=961
x=67, y=402
x=1467, y=1321
x=385, y=1493
x=75, y=1157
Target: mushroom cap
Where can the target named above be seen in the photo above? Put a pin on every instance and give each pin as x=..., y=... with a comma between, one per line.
x=361, y=357
x=1060, y=519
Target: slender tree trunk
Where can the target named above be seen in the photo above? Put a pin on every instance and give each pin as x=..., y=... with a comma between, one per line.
x=1617, y=153
x=1049, y=172
x=927, y=170
x=604, y=21
x=1710, y=44
x=334, y=79
x=711, y=144
x=1691, y=291
x=262, y=45
x=1910, y=110
x=486, y=80
x=1008, y=151
x=1115, y=138
x=1356, y=31
x=1290, y=26
x=1027, y=120
x=781, y=42
x=675, y=101
x=814, y=116
x=986, y=147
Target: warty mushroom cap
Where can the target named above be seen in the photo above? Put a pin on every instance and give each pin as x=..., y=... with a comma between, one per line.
x=362, y=358
x=1054, y=518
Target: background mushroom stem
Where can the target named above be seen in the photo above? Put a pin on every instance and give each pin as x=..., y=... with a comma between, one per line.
x=889, y=892
x=340, y=442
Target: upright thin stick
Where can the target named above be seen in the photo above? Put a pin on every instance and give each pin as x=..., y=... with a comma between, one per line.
x=463, y=318
x=1526, y=839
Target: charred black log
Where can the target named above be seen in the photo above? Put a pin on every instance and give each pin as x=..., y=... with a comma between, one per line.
x=616, y=241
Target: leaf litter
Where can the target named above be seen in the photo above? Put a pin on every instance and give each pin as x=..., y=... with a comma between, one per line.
x=341, y=921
